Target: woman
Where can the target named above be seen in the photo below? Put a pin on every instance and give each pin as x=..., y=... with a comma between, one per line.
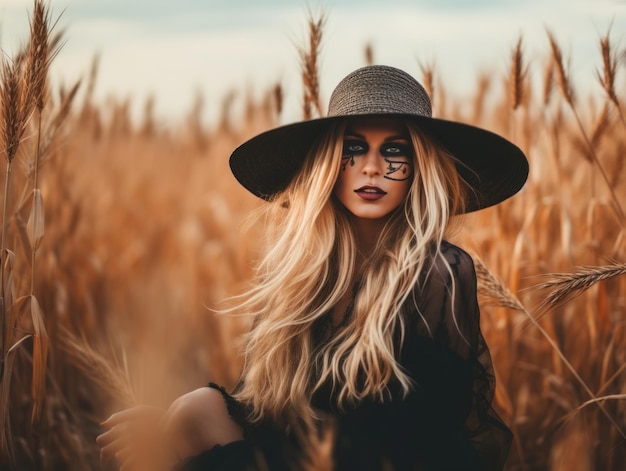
x=365, y=319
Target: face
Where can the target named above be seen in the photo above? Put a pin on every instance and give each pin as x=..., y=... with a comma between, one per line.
x=376, y=167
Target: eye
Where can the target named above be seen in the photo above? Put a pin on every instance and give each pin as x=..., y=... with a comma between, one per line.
x=395, y=150
x=353, y=147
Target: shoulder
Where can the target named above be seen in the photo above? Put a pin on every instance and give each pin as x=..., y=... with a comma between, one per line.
x=199, y=420
x=456, y=255
x=447, y=287
x=452, y=262
x=194, y=401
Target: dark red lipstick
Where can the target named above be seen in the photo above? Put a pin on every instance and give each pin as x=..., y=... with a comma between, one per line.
x=370, y=192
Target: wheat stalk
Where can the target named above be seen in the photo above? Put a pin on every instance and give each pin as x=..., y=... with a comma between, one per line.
x=16, y=110
x=369, y=54
x=548, y=82
x=277, y=93
x=59, y=118
x=40, y=357
x=564, y=287
x=87, y=108
x=597, y=400
x=568, y=95
x=49, y=135
x=428, y=76
x=309, y=63
x=482, y=89
x=495, y=288
x=561, y=73
x=609, y=61
x=38, y=56
x=38, y=61
x=16, y=107
x=517, y=76
x=600, y=126
x=111, y=375
x=607, y=77
x=24, y=89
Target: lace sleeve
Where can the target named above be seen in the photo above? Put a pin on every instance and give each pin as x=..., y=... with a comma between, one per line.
x=449, y=307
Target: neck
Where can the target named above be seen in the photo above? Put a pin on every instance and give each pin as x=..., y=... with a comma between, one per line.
x=366, y=233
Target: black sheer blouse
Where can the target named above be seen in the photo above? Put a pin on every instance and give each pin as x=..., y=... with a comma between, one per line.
x=445, y=423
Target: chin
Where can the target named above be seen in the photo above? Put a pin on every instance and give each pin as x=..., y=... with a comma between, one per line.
x=371, y=216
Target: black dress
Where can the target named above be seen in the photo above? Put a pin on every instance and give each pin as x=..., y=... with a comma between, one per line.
x=445, y=423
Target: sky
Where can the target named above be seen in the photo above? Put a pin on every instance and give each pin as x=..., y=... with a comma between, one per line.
x=172, y=50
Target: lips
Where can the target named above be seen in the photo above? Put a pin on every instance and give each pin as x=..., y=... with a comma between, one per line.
x=370, y=193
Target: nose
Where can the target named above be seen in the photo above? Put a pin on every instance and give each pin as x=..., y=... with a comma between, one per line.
x=373, y=163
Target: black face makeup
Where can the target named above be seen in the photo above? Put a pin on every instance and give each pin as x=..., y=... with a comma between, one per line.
x=376, y=168
x=351, y=147
x=398, y=156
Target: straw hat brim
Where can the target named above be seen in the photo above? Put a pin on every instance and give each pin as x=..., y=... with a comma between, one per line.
x=492, y=166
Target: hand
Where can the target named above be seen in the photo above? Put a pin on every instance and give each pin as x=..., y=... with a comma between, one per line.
x=137, y=440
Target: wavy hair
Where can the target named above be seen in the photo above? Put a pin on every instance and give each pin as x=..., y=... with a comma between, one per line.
x=311, y=265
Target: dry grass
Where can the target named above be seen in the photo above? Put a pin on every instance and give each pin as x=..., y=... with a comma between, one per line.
x=143, y=231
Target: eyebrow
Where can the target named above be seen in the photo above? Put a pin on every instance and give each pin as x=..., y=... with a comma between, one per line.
x=351, y=133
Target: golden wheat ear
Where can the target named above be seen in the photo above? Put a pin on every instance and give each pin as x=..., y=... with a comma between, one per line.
x=563, y=287
x=368, y=53
x=428, y=78
x=517, y=76
x=609, y=63
x=16, y=107
x=108, y=371
x=609, y=71
x=493, y=287
x=568, y=95
x=309, y=64
x=562, y=76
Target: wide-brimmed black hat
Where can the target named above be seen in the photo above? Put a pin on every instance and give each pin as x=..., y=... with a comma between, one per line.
x=494, y=167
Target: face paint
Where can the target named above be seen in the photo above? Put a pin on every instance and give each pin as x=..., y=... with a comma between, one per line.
x=350, y=149
x=376, y=168
x=397, y=167
x=345, y=160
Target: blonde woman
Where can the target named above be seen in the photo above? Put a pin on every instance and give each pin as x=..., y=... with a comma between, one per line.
x=365, y=318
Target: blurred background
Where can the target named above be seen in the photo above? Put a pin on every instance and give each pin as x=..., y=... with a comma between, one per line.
x=174, y=51
x=123, y=230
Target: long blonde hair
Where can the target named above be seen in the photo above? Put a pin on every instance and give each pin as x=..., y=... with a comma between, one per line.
x=311, y=264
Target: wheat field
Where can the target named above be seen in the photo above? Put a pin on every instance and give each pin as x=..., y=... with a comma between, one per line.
x=119, y=239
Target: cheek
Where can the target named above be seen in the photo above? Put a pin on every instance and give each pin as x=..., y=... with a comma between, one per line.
x=402, y=192
x=338, y=184
x=343, y=180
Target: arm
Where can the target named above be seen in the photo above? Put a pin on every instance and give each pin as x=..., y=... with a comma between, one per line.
x=489, y=436
x=449, y=303
x=194, y=423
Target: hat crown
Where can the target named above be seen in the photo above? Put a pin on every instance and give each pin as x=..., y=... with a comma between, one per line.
x=379, y=89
